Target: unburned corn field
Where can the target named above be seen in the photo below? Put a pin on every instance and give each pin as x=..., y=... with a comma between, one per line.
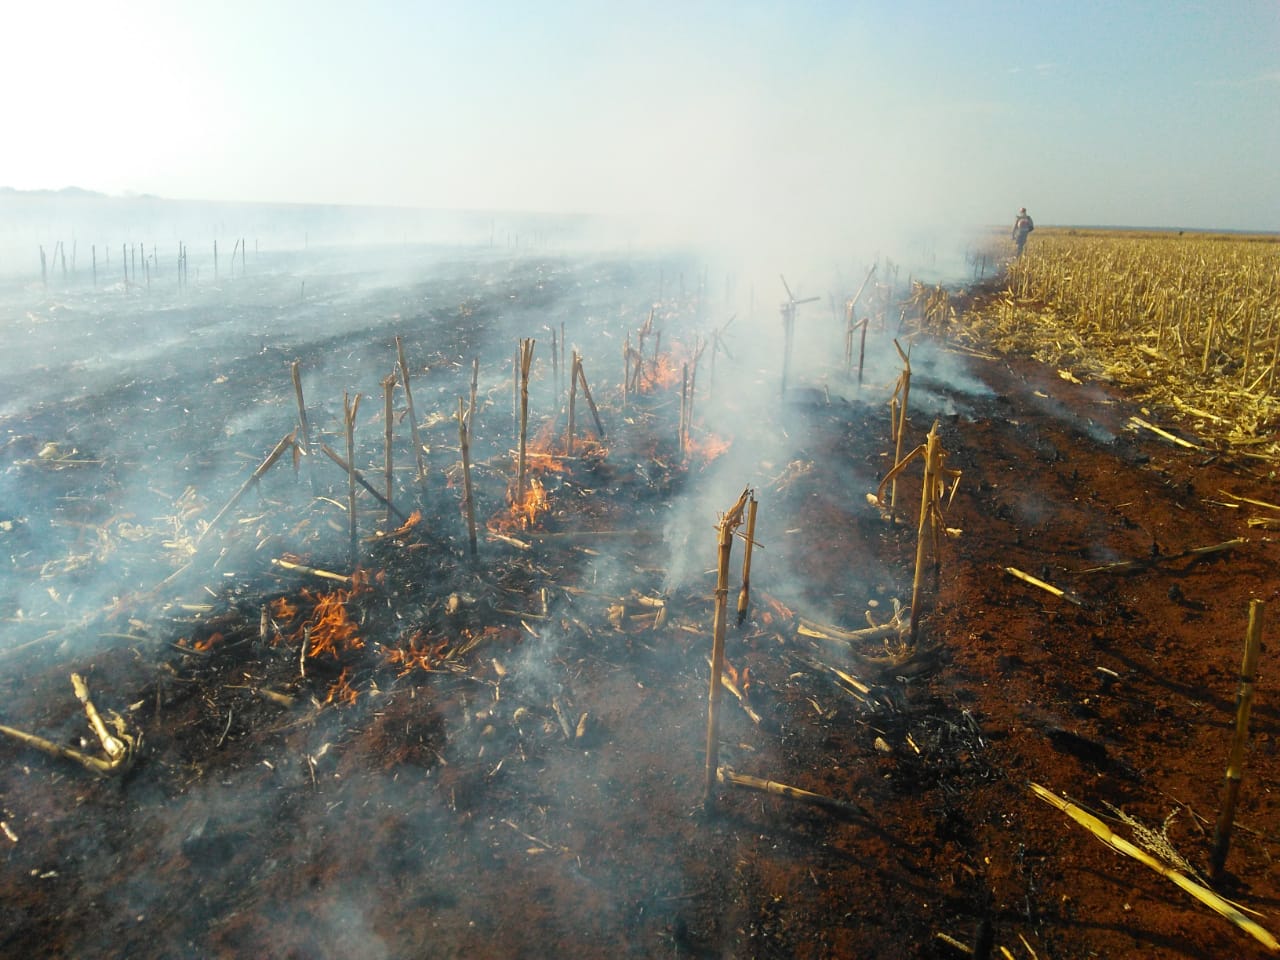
x=1190, y=323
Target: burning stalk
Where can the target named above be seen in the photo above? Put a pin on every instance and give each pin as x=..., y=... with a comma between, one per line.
x=684, y=411
x=464, y=443
x=744, y=595
x=349, y=408
x=388, y=390
x=408, y=402
x=728, y=524
x=526, y=360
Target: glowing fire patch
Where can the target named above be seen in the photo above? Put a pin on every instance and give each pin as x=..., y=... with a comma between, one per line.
x=524, y=514
x=283, y=609
x=400, y=531
x=328, y=629
x=419, y=654
x=341, y=691
x=205, y=645
x=667, y=373
x=741, y=680
x=706, y=448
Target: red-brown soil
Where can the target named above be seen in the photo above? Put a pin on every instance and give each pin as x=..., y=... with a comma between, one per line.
x=452, y=813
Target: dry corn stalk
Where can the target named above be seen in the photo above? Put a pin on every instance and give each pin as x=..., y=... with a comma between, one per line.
x=728, y=524
x=1189, y=323
x=1121, y=845
x=120, y=748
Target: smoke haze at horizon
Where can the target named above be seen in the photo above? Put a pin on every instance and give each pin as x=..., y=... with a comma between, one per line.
x=821, y=122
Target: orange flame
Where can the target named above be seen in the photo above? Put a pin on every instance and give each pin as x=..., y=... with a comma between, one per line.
x=667, y=372
x=205, y=645
x=708, y=448
x=523, y=514
x=419, y=654
x=328, y=627
x=341, y=691
x=408, y=525
x=283, y=609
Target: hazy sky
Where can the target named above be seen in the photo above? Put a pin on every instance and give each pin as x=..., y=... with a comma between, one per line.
x=710, y=116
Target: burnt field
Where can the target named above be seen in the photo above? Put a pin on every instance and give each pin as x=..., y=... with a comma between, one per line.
x=395, y=748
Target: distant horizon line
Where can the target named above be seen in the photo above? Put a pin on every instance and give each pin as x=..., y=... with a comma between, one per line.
x=73, y=191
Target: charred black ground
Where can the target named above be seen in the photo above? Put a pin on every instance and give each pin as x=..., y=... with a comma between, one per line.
x=511, y=762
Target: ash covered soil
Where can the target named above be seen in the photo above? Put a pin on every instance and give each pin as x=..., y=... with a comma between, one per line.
x=505, y=757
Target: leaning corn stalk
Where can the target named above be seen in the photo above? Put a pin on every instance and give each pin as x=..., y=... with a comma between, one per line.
x=842, y=807
x=1120, y=844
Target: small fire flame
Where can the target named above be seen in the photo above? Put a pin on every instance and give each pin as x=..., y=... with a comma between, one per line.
x=741, y=680
x=524, y=514
x=419, y=654
x=408, y=525
x=283, y=609
x=667, y=373
x=329, y=628
x=205, y=645
x=706, y=448
x=341, y=691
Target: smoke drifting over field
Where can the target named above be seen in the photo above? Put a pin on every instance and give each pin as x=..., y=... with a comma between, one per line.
x=159, y=353
x=135, y=408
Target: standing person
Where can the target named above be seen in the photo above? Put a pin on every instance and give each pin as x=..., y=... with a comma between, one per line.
x=1022, y=226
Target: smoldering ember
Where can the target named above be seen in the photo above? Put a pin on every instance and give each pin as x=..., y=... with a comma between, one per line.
x=483, y=601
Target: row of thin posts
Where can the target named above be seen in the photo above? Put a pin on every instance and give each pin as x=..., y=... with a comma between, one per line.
x=303, y=442
x=633, y=359
x=129, y=255
x=688, y=388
